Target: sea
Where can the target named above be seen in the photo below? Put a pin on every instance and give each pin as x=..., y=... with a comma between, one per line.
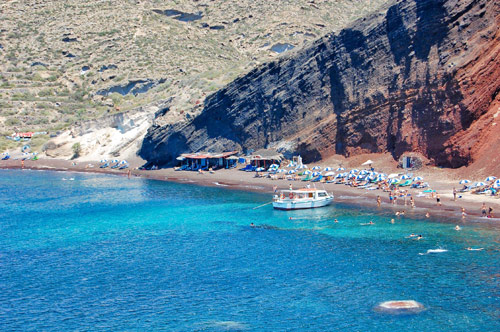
x=93, y=252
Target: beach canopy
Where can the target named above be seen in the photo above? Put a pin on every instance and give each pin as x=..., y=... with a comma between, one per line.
x=368, y=162
x=464, y=181
x=418, y=178
x=328, y=169
x=329, y=173
x=480, y=184
x=405, y=177
x=316, y=174
x=490, y=178
x=393, y=180
x=115, y=161
x=307, y=172
x=354, y=171
x=497, y=181
x=316, y=168
x=302, y=167
x=123, y=162
x=340, y=169
x=274, y=166
x=292, y=171
x=292, y=164
x=363, y=172
x=104, y=161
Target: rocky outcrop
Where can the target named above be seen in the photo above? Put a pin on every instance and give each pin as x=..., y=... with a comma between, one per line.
x=420, y=76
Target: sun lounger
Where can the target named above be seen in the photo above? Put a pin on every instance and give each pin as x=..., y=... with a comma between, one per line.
x=104, y=165
x=317, y=179
x=307, y=178
x=247, y=168
x=405, y=184
x=6, y=157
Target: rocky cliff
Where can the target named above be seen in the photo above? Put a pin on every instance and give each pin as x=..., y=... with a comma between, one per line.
x=420, y=75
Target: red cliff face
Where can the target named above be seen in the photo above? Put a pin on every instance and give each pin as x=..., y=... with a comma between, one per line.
x=422, y=76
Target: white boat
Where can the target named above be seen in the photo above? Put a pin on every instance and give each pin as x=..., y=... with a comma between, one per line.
x=306, y=198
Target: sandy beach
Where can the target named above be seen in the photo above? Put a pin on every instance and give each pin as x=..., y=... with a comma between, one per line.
x=443, y=181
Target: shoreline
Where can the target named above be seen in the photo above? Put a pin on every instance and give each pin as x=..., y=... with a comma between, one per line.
x=234, y=179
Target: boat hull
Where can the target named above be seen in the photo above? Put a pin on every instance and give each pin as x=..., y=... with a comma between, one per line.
x=298, y=205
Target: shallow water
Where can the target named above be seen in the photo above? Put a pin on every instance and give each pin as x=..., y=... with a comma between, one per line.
x=106, y=253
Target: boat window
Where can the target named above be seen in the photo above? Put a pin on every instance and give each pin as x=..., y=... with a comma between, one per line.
x=310, y=194
x=322, y=194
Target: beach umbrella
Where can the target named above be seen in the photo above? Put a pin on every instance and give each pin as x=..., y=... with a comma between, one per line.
x=291, y=165
x=274, y=166
x=393, y=180
x=123, y=162
x=316, y=174
x=302, y=167
x=281, y=170
x=363, y=172
x=497, y=181
x=260, y=169
x=480, y=184
x=328, y=169
x=354, y=171
x=316, y=168
x=368, y=162
x=490, y=178
x=340, y=175
x=329, y=173
x=464, y=181
x=418, y=178
x=360, y=177
x=291, y=171
x=340, y=169
x=405, y=177
x=103, y=161
x=307, y=172
x=393, y=175
x=115, y=161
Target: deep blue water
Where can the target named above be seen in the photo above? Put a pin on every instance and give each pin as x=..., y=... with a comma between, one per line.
x=106, y=253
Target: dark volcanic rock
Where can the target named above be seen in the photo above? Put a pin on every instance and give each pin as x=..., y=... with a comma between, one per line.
x=132, y=87
x=421, y=76
x=178, y=15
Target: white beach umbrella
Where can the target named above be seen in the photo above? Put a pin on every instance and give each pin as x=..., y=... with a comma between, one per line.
x=274, y=166
x=123, y=162
x=405, y=177
x=307, y=172
x=329, y=173
x=327, y=169
x=302, y=167
x=393, y=180
x=340, y=175
x=260, y=169
x=464, y=181
x=316, y=174
x=480, y=184
x=103, y=161
x=281, y=171
x=418, y=178
x=368, y=162
x=115, y=161
x=316, y=168
x=291, y=165
x=354, y=171
x=393, y=175
x=490, y=178
x=340, y=169
x=291, y=171
x=363, y=172
x=497, y=181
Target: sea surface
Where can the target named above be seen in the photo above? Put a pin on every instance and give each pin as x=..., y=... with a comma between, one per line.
x=87, y=252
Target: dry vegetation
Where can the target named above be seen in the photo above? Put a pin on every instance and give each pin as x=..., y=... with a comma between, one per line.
x=46, y=45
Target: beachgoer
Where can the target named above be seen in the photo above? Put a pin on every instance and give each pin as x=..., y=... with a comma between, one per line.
x=275, y=188
x=457, y=228
x=483, y=210
x=392, y=221
x=438, y=199
x=454, y=194
x=379, y=201
x=490, y=212
x=397, y=213
x=252, y=224
x=22, y=163
x=412, y=202
x=128, y=174
x=371, y=223
x=290, y=186
x=390, y=197
x=427, y=215
x=419, y=237
x=402, y=213
x=336, y=221
x=464, y=214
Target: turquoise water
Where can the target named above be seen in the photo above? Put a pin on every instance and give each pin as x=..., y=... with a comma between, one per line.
x=96, y=252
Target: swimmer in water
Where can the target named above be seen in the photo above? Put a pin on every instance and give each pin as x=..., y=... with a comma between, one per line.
x=252, y=224
x=336, y=221
x=457, y=228
x=427, y=215
x=412, y=235
x=397, y=213
x=392, y=221
x=419, y=237
x=474, y=249
x=371, y=223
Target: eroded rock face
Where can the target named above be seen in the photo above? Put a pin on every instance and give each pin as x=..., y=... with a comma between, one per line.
x=416, y=77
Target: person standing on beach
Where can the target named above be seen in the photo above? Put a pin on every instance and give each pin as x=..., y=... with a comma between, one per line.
x=490, y=212
x=22, y=163
x=412, y=202
x=128, y=174
x=291, y=186
x=454, y=194
x=483, y=210
x=464, y=214
x=438, y=199
x=275, y=188
x=379, y=201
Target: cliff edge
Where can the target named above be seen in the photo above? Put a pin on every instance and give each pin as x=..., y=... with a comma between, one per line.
x=421, y=75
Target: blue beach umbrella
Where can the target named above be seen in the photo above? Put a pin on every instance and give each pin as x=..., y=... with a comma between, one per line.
x=316, y=174
x=123, y=162
x=329, y=173
x=115, y=161
x=490, y=178
x=292, y=164
x=292, y=171
x=103, y=161
x=418, y=178
x=464, y=181
x=363, y=172
x=340, y=169
x=274, y=166
x=340, y=175
x=307, y=172
x=394, y=180
x=302, y=167
x=354, y=171
x=327, y=169
x=316, y=168
x=480, y=184
x=405, y=177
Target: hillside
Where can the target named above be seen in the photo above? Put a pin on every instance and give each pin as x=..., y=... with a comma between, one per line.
x=420, y=76
x=63, y=63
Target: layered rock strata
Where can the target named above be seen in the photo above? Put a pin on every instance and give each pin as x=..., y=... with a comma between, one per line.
x=419, y=76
